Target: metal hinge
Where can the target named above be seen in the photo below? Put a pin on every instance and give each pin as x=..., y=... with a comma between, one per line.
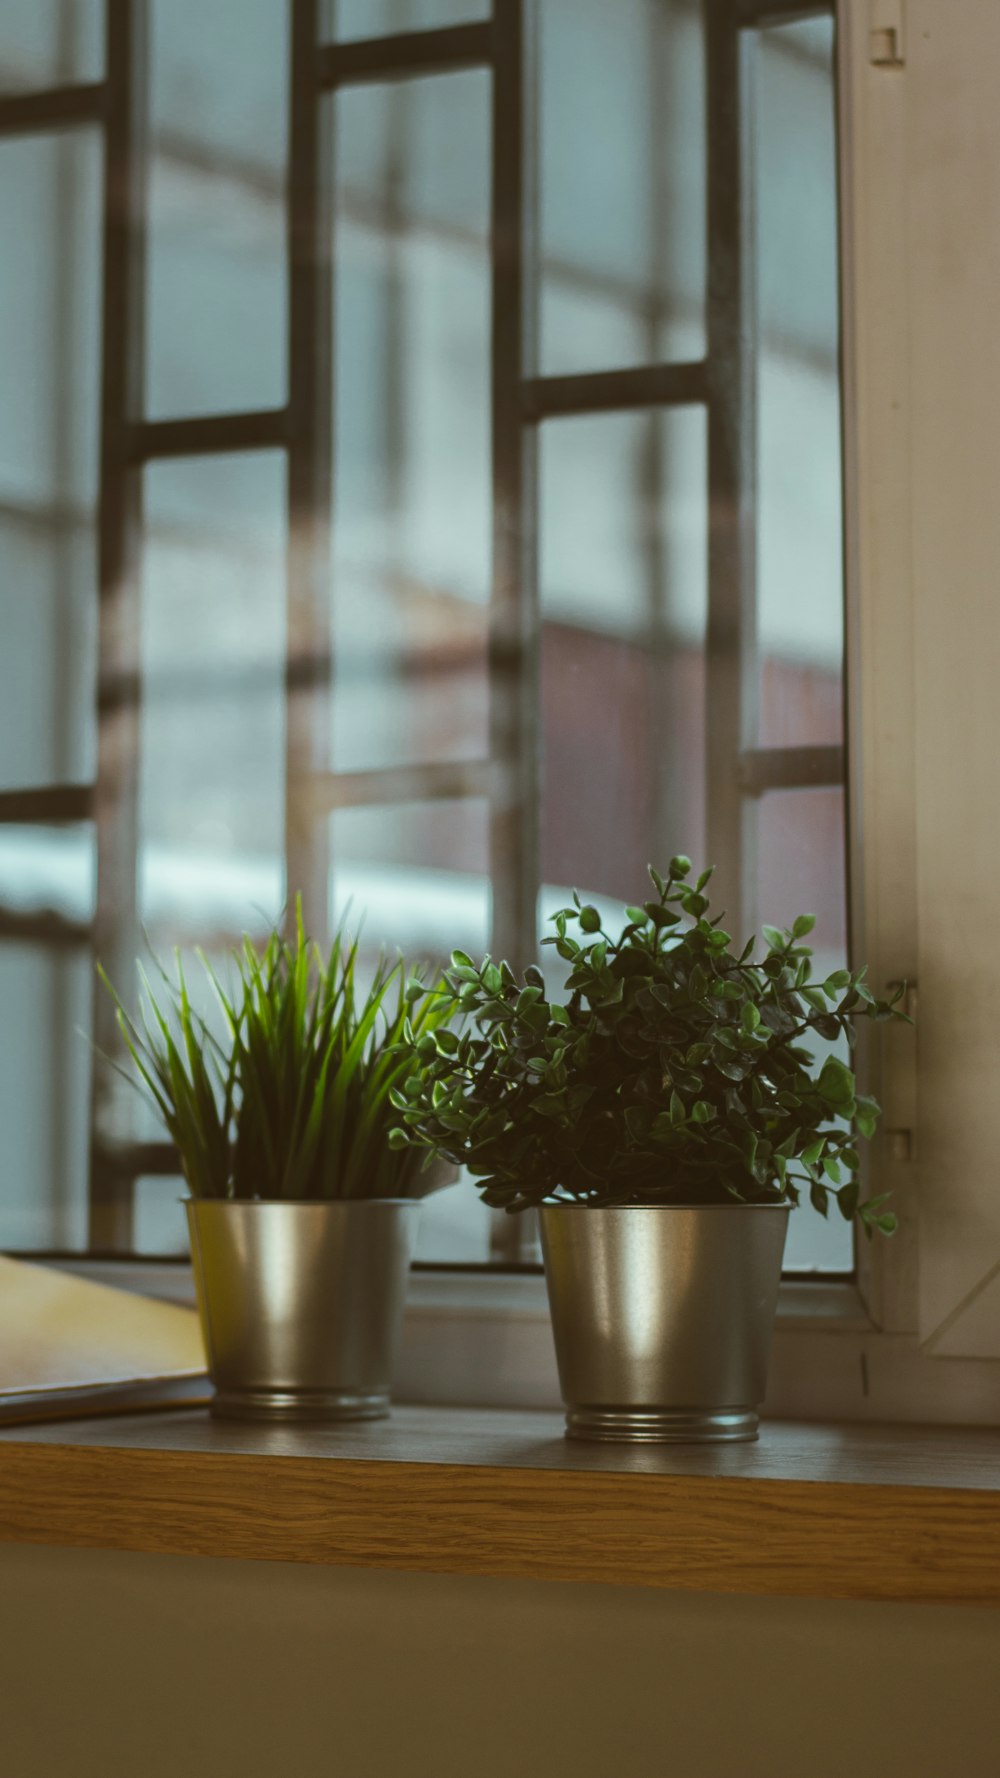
x=886, y=35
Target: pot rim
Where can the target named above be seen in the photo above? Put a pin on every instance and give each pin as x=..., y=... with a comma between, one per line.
x=299, y=1203
x=630, y=1209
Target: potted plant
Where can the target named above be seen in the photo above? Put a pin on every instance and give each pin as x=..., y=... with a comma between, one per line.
x=662, y=1117
x=302, y=1217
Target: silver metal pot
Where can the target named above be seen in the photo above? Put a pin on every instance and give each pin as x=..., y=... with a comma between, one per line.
x=662, y=1316
x=301, y=1304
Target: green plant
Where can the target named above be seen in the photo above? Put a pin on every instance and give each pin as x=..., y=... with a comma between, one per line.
x=674, y=1070
x=293, y=1102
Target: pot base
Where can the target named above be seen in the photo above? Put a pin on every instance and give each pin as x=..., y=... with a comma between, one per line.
x=288, y=1406
x=663, y=1426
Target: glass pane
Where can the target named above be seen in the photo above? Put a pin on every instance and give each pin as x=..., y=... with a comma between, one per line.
x=623, y=597
x=48, y=870
x=802, y=869
x=383, y=18
x=160, y=1221
x=50, y=204
x=800, y=550
x=416, y=875
x=217, y=298
x=412, y=437
x=454, y=1226
x=48, y=661
x=622, y=204
x=44, y=1096
x=47, y=43
x=212, y=739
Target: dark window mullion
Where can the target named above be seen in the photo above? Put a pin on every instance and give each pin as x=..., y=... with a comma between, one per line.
x=117, y=784
x=390, y=786
x=51, y=805
x=45, y=928
x=791, y=768
x=206, y=435
x=731, y=627
x=754, y=14
x=615, y=391
x=514, y=621
x=367, y=60
x=310, y=407
x=515, y=723
x=57, y=108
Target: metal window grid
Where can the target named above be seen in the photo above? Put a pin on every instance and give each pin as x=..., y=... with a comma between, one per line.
x=521, y=402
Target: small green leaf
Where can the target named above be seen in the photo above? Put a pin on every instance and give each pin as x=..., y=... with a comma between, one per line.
x=803, y=925
x=819, y=1198
x=866, y=1115
x=836, y=1083
x=590, y=919
x=847, y=1199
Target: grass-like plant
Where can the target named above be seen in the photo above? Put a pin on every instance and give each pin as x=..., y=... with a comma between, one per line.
x=293, y=1103
x=673, y=1072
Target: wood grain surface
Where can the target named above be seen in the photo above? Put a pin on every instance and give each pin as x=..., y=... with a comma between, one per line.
x=846, y=1513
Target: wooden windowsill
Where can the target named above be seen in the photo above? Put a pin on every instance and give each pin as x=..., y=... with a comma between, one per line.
x=842, y=1512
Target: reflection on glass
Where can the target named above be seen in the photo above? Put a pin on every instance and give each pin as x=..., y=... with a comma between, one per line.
x=413, y=876
x=50, y=205
x=801, y=869
x=799, y=537
x=217, y=299
x=44, y=1096
x=46, y=43
x=411, y=450
x=623, y=598
x=382, y=18
x=213, y=724
x=622, y=199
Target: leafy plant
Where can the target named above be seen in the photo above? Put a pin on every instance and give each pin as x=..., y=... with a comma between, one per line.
x=673, y=1071
x=294, y=1102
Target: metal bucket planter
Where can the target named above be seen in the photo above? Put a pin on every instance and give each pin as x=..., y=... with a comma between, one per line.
x=662, y=1316
x=301, y=1304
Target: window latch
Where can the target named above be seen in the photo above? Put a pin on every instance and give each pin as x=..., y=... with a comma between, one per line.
x=886, y=40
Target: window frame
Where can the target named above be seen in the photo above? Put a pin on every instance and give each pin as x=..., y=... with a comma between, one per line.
x=521, y=401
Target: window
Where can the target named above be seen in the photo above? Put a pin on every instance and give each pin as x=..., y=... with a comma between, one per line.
x=419, y=486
